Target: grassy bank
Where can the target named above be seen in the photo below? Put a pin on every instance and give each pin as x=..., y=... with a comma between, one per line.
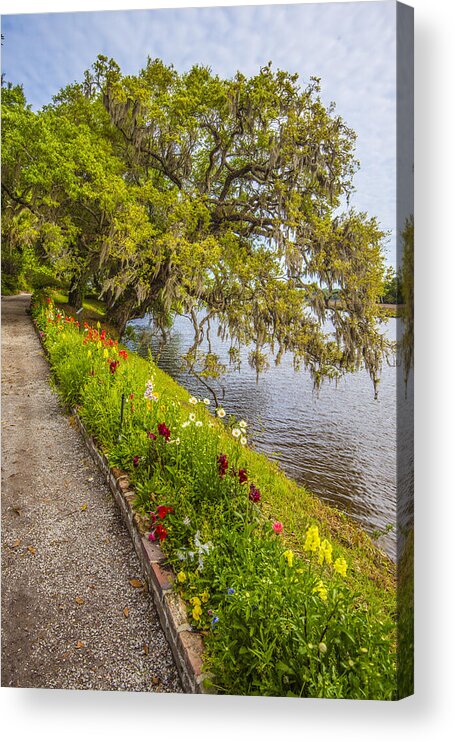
x=392, y=310
x=292, y=597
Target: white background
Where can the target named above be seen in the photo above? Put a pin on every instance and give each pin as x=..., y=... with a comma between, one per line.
x=51, y=715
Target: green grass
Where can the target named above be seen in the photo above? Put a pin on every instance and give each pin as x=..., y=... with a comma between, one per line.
x=286, y=500
x=93, y=308
x=246, y=553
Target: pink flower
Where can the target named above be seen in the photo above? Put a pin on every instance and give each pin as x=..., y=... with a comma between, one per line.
x=151, y=435
x=152, y=536
x=277, y=526
x=136, y=460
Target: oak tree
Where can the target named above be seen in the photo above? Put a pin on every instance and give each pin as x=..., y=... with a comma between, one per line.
x=227, y=200
x=247, y=179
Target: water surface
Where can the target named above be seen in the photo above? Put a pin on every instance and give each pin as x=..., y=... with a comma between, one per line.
x=339, y=442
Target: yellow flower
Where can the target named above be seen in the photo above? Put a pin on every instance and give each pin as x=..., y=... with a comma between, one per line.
x=89, y=353
x=321, y=590
x=197, y=612
x=205, y=596
x=289, y=556
x=325, y=552
x=312, y=541
x=340, y=566
x=106, y=353
x=195, y=601
x=181, y=577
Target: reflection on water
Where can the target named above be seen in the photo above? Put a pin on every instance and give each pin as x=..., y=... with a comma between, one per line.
x=340, y=443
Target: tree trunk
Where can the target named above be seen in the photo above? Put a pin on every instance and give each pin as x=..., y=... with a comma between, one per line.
x=120, y=314
x=76, y=292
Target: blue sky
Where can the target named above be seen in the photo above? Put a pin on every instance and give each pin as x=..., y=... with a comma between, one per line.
x=350, y=46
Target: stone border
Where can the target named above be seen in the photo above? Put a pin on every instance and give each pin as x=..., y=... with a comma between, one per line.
x=187, y=646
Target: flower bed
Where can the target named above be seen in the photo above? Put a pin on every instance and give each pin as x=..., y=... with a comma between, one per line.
x=276, y=620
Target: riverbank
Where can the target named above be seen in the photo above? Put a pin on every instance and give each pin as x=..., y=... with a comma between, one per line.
x=288, y=501
x=244, y=541
x=338, y=442
x=390, y=310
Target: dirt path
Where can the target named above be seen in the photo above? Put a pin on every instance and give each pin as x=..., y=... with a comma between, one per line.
x=70, y=617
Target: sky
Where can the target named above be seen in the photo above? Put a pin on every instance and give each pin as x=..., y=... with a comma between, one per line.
x=351, y=46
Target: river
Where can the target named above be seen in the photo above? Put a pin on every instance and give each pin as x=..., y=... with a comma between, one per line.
x=339, y=442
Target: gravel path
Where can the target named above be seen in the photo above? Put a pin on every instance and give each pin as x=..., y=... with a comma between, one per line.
x=70, y=617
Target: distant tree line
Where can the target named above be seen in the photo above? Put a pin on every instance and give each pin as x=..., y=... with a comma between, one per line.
x=393, y=287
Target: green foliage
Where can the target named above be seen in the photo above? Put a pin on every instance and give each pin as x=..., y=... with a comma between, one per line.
x=281, y=631
x=393, y=288
x=407, y=270
x=405, y=619
x=277, y=621
x=253, y=170
x=63, y=186
x=192, y=194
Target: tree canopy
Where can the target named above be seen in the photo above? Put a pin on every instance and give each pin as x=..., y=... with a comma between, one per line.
x=185, y=193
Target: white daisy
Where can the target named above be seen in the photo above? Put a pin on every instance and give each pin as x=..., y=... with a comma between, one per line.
x=243, y=440
x=199, y=424
x=192, y=400
x=206, y=401
x=192, y=417
x=236, y=432
x=220, y=412
x=243, y=424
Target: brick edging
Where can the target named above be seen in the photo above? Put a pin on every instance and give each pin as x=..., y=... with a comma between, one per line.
x=187, y=646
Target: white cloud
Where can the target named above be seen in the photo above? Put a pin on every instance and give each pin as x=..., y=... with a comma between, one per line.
x=351, y=46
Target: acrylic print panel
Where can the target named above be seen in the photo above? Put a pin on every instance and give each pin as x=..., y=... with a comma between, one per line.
x=209, y=230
